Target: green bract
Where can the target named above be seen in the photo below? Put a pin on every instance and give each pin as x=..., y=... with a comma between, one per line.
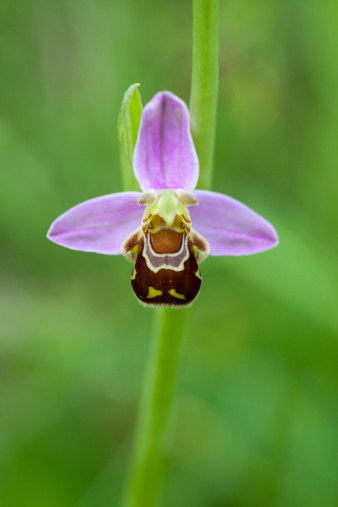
x=128, y=125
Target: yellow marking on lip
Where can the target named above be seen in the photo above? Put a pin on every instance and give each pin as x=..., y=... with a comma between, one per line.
x=133, y=276
x=172, y=292
x=198, y=274
x=152, y=293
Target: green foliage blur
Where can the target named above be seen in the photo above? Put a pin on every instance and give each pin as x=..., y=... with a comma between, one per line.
x=255, y=417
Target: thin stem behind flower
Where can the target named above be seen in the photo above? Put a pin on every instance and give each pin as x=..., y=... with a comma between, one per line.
x=204, y=85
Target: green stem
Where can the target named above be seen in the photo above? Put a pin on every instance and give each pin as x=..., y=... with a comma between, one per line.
x=150, y=452
x=204, y=84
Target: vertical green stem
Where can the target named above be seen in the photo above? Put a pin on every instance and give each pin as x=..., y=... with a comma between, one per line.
x=204, y=84
x=150, y=453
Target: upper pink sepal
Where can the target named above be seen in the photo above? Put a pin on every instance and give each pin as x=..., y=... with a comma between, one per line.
x=165, y=155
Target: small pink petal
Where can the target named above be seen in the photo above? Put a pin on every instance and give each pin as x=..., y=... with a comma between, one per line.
x=99, y=225
x=165, y=155
x=230, y=227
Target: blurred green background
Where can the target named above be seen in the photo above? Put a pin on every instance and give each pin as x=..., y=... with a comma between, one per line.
x=255, y=412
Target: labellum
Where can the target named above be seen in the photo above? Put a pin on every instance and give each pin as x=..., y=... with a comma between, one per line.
x=166, y=252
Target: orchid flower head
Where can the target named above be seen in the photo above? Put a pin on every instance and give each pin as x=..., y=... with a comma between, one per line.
x=168, y=228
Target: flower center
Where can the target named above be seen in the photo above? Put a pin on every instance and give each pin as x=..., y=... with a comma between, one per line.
x=168, y=205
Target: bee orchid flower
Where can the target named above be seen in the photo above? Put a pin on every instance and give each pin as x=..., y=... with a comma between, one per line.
x=168, y=228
